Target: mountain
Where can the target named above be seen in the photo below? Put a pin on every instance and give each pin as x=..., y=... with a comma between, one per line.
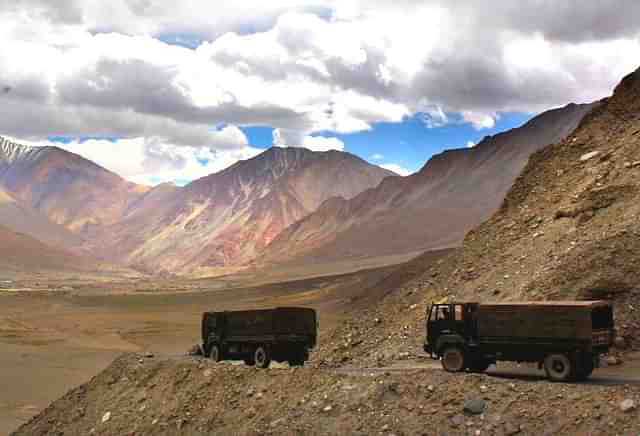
x=22, y=253
x=432, y=209
x=22, y=218
x=66, y=188
x=225, y=219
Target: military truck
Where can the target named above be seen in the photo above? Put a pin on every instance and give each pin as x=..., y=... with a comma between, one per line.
x=283, y=334
x=564, y=337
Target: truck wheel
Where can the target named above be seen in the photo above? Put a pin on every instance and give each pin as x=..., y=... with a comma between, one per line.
x=584, y=368
x=249, y=361
x=215, y=353
x=453, y=359
x=558, y=367
x=261, y=357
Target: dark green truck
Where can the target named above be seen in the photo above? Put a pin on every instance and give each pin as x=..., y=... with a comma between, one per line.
x=283, y=334
x=565, y=337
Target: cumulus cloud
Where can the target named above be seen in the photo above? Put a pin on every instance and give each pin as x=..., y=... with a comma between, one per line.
x=294, y=138
x=151, y=161
x=377, y=156
x=307, y=68
x=471, y=144
x=398, y=169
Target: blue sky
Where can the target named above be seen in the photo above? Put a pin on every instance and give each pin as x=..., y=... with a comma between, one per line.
x=409, y=143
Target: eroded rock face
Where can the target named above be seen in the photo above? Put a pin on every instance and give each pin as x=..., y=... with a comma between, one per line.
x=227, y=218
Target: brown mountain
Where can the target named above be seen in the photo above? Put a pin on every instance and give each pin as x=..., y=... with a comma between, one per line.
x=23, y=218
x=225, y=219
x=21, y=253
x=434, y=208
x=66, y=188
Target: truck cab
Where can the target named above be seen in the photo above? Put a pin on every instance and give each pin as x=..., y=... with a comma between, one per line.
x=449, y=322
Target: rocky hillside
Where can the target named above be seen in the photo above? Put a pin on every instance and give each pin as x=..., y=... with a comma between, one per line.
x=568, y=229
x=434, y=208
x=225, y=219
x=194, y=396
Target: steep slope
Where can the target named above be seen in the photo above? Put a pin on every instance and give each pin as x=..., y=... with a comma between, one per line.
x=225, y=219
x=22, y=218
x=66, y=188
x=431, y=209
x=568, y=229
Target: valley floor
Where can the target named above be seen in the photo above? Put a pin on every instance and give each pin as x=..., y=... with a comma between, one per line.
x=57, y=334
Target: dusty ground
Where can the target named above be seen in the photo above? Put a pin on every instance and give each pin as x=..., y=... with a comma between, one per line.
x=138, y=395
x=57, y=334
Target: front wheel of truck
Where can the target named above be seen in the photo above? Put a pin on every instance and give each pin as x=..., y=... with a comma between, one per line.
x=262, y=357
x=215, y=353
x=558, y=367
x=453, y=359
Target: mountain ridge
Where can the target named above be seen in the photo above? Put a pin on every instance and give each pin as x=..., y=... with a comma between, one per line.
x=461, y=186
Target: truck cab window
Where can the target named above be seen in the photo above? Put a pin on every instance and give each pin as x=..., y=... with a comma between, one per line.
x=458, y=312
x=442, y=313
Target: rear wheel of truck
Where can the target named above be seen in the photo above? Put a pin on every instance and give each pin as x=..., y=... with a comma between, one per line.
x=558, y=367
x=215, y=353
x=262, y=357
x=298, y=358
x=453, y=359
x=584, y=368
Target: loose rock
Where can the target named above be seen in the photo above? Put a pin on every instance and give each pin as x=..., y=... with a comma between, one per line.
x=627, y=405
x=475, y=406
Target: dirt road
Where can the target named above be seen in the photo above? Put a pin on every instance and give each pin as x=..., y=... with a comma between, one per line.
x=625, y=374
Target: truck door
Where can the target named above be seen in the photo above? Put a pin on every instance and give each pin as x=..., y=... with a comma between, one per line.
x=439, y=322
x=458, y=320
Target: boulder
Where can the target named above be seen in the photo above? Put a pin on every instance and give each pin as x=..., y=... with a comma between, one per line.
x=474, y=406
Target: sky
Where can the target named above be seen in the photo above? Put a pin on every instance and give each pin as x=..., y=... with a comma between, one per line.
x=161, y=91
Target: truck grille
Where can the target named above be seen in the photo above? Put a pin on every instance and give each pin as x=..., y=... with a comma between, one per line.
x=601, y=337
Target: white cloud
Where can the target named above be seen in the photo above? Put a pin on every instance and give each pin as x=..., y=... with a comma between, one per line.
x=480, y=120
x=304, y=67
x=377, y=156
x=471, y=144
x=398, y=169
x=151, y=161
x=295, y=138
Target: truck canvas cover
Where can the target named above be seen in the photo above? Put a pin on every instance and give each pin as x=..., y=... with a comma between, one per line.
x=251, y=323
x=553, y=320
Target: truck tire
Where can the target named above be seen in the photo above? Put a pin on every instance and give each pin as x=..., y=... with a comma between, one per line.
x=559, y=367
x=453, y=359
x=584, y=368
x=298, y=358
x=215, y=353
x=249, y=361
x=262, y=357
